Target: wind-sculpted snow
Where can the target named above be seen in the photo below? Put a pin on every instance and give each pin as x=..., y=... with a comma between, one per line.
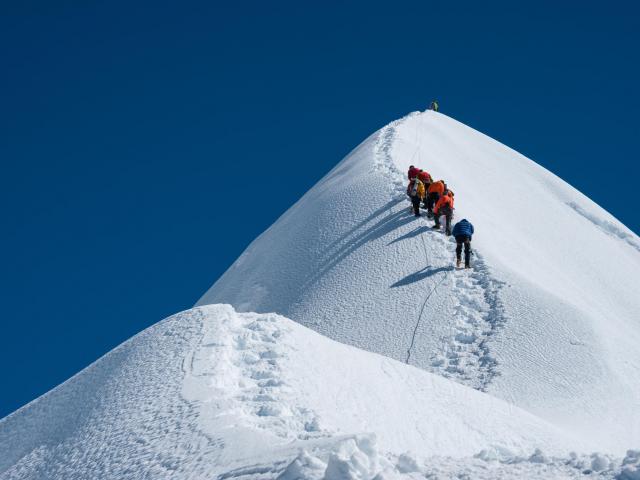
x=121, y=417
x=547, y=319
x=608, y=227
x=211, y=393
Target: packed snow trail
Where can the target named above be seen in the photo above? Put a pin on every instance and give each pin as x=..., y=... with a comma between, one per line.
x=212, y=393
x=463, y=353
x=540, y=322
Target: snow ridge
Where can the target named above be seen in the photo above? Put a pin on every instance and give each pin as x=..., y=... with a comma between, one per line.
x=375, y=225
x=479, y=313
x=383, y=160
x=607, y=227
x=242, y=354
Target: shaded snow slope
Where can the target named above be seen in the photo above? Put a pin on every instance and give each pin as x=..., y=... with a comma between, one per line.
x=547, y=319
x=211, y=393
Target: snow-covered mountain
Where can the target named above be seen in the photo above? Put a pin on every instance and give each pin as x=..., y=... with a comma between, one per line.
x=496, y=372
x=548, y=320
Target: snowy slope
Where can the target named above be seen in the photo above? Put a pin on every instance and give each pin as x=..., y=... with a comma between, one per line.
x=547, y=320
x=211, y=393
x=530, y=355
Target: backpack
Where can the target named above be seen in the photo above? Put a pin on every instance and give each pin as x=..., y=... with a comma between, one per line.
x=414, y=188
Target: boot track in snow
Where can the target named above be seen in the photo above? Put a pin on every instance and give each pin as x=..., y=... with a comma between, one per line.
x=464, y=354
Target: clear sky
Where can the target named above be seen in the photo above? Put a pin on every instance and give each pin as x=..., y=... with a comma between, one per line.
x=129, y=130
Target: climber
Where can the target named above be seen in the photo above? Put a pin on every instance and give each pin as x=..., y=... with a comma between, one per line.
x=435, y=190
x=413, y=172
x=462, y=231
x=416, y=192
x=425, y=178
x=434, y=106
x=444, y=207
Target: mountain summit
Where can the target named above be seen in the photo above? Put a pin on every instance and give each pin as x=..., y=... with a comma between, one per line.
x=342, y=344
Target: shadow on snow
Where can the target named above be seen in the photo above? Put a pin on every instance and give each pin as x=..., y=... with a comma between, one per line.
x=421, y=274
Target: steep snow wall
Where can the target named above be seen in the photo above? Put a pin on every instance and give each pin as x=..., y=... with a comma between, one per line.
x=547, y=319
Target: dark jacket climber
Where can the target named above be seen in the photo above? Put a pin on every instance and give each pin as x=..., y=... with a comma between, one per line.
x=435, y=190
x=463, y=231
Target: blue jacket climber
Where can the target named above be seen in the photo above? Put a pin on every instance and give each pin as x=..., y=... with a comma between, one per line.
x=462, y=231
x=463, y=227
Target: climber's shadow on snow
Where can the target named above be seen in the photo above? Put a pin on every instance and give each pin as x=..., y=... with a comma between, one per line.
x=353, y=231
x=376, y=228
x=426, y=272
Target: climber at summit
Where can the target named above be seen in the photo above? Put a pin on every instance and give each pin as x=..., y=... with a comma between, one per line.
x=463, y=231
x=416, y=192
x=444, y=207
x=434, y=106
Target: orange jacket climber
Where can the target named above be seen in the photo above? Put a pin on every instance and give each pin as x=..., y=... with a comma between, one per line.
x=445, y=200
x=450, y=193
x=437, y=187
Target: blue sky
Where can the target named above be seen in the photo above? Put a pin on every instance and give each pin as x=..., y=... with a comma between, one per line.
x=128, y=130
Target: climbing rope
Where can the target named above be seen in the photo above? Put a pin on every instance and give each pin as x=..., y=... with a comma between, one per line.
x=424, y=304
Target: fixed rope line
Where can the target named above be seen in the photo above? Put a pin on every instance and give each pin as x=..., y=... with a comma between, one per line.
x=424, y=305
x=415, y=330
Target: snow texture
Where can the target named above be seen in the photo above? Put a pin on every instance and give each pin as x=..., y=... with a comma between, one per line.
x=212, y=393
x=394, y=363
x=547, y=319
